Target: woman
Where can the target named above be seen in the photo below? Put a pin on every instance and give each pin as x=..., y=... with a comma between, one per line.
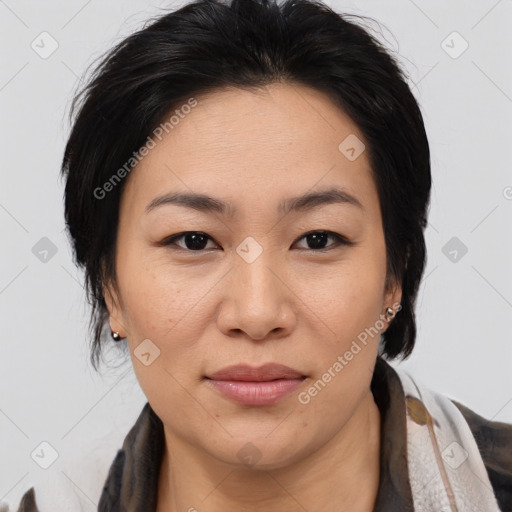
x=247, y=190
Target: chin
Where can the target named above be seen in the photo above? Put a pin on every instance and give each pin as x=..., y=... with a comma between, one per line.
x=260, y=453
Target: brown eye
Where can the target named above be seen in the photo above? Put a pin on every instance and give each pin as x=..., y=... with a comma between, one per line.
x=192, y=240
x=317, y=240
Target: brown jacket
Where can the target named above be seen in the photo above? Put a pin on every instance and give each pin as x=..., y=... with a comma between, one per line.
x=132, y=481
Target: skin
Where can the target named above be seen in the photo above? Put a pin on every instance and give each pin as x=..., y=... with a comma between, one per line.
x=209, y=309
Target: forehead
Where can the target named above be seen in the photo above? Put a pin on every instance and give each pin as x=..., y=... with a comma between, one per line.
x=278, y=141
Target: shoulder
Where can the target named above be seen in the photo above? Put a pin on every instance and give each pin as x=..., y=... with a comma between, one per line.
x=57, y=494
x=28, y=502
x=494, y=441
x=98, y=474
x=75, y=485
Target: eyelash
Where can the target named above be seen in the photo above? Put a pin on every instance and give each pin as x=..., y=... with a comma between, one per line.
x=340, y=241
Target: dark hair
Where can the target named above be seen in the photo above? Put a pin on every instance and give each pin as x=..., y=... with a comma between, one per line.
x=207, y=45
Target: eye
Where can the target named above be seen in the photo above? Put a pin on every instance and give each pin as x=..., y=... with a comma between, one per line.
x=192, y=240
x=317, y=240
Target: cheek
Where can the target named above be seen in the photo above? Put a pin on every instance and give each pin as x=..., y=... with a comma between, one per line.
x=153, y=295
x=352, y=299
x=169, y=307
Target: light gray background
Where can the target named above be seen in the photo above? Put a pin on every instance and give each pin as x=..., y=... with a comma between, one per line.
x=50, y=393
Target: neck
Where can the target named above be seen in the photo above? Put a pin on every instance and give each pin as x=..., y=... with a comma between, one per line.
x=345, y=470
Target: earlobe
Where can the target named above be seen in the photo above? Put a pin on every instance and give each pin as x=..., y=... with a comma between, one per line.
x=396, y=300
x=113, y=308
x=393, y=298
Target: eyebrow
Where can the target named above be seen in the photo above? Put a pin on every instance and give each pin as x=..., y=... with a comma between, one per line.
x=207, y=204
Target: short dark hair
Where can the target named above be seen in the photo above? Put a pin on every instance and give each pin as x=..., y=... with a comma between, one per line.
x=208, y=45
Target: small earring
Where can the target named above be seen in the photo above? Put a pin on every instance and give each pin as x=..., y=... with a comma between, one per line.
x=116, y=336
x=390, y=313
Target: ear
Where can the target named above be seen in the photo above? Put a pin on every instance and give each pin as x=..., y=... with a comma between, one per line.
x=393, y=297
x=114, y=307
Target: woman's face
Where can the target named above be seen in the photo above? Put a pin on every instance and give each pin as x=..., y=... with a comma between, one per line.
x=260, y=282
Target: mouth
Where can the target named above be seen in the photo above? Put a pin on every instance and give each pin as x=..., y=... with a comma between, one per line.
x=252, y=386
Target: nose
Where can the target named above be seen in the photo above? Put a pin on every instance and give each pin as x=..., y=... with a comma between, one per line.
x=257, y=301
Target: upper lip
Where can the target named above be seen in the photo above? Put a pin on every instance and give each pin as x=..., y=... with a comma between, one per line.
x=270, y=371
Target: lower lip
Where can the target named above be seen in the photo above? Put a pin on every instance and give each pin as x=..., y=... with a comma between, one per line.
x=256, y=393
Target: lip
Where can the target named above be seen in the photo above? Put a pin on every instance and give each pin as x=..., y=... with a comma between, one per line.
x=264, y=385
x=267, y=372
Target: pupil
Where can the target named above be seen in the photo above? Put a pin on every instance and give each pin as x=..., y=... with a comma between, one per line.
x=317, y=240
x=195, y=241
